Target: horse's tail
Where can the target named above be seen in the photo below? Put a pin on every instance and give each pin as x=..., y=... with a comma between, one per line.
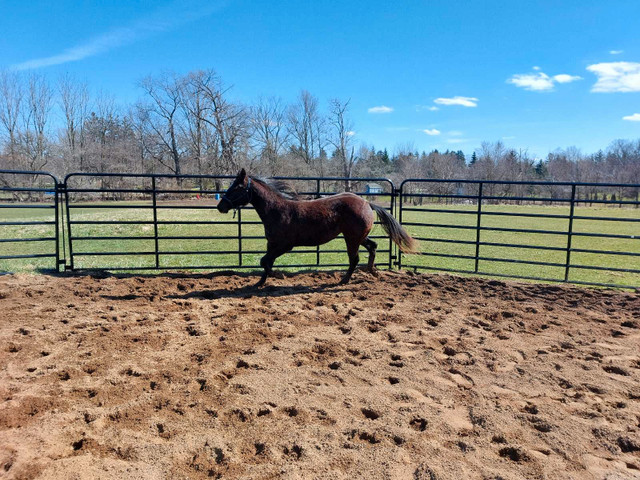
x=398, y=234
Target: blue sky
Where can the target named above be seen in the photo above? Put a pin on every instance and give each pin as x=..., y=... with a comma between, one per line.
x=432, y=74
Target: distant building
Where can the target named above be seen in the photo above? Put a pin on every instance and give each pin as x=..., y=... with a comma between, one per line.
x=373, y=188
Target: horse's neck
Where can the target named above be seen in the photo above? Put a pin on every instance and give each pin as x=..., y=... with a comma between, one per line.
x=265, y=202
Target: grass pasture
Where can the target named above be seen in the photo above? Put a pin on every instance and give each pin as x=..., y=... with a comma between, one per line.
x=174, y=224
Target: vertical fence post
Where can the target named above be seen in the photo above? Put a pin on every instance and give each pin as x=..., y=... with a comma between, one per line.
x=400, y=199
x=155, y=219
x=478, y=224
x=392, y=246
x=239, y=236
x=66, y=203
x=57, y=226
x=318, y=247
x=567, y=264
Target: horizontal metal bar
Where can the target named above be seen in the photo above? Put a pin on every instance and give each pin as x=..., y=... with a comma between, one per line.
x=606, y=219
x=35, y=255
x=445, y=255
x=471, y=272
x=27, y=189
x=493, y=244
x=20, y=240
x=518, y=182
x=491, y=259
x=610, y=202
x=517, y=245
x=5, y=205
x=49, y=222
x=486, y=213
x=107, y=207
x=439, y=225
x=439, y=210
x=312, y=266
x=604, y=252
x=491, y=229
x=526, y=262
x=30, y=173
x=115, y=222
x=606, y=235
x=608, y=269
x=445, y=240
x=210, y=252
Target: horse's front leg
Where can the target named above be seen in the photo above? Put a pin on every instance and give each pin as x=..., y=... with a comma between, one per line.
x=266, y=262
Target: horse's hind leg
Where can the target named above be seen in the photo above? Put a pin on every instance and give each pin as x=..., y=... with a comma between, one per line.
x=371, y=247
x=354, y=258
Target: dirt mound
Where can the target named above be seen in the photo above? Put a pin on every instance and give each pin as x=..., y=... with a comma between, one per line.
x=400, y=376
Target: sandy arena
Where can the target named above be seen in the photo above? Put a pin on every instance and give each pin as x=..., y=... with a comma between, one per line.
x=406, y=376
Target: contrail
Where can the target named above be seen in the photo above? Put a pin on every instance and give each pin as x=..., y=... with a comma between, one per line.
x=161, y=20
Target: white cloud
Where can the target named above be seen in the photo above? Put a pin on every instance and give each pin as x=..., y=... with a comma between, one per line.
x=455, y=133
x=540, y=81
x=616, y=76
x=564, y=78
x=615, y=52
x=159, y=21
x=350, y=133
x=432, y=132
x=632, y=118
x=457, y=100
x=532, y=81
x=434, y=108
x=380, y=109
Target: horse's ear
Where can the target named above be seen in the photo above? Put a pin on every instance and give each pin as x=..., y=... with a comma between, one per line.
x=242, y=174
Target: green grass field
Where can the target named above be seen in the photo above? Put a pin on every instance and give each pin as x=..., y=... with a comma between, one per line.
x=254, y=247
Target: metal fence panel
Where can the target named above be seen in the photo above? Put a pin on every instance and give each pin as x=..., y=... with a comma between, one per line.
x=163, y=222
x=501, y=229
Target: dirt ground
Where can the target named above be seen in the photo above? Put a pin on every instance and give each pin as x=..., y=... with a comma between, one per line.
x=404, y=376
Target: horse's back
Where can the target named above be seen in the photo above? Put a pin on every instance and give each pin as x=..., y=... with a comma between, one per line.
x=321, y=220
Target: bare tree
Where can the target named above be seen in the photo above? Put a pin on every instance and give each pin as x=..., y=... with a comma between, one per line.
x=11, y=101
x=269, y=132
x=162, y=117
x=307, y=130
x=229, y=120
x=33, y=137
x=74, y=103
x=341, y=138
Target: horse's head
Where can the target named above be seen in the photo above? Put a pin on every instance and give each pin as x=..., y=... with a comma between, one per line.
x=237, y=195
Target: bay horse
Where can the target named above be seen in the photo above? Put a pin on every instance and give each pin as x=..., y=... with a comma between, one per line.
x=289, y=222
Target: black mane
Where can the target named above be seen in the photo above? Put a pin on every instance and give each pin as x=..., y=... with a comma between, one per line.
x=281, y=187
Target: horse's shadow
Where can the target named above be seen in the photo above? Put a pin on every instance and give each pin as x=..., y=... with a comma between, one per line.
x=249, y=291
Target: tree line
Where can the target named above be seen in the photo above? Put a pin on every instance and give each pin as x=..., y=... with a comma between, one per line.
x=190, y=124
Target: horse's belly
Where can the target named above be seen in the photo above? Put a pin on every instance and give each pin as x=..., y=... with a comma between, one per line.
x=313, y=238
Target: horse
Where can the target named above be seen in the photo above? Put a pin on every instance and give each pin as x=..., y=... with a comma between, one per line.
x=290, y=222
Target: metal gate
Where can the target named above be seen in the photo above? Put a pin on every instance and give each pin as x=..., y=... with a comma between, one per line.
x=29, y=220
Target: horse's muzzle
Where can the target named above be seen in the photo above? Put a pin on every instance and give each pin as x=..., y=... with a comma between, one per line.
x=224, y=206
